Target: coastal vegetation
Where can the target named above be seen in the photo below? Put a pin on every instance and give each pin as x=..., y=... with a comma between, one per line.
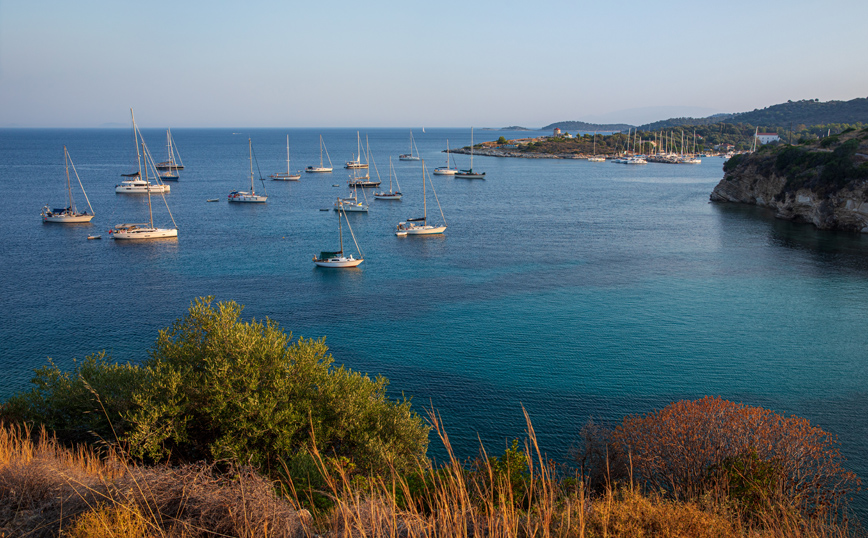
x=824, y=182
x=233, y=428
x=794, y=121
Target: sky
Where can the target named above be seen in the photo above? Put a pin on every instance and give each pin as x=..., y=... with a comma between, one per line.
x=261, y=63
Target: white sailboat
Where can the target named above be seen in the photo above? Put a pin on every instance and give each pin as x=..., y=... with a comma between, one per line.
x=469, y=173
x=410, y=156
x=445, y=170
x=412, y=226
x=321, y=168
x=171, y=164
x=337, y=260
x=594, y=158
x=249, y=197
x=364, y=181
x=68, y=213
x=352, y=203
x=357, y=161
x=391, y=195
x=144, y=231
x=288, y=176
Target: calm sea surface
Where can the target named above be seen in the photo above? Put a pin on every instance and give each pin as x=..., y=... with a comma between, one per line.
x=575, y=289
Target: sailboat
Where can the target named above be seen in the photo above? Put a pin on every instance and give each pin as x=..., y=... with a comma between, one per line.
x=469, y=173
x=594, y=158
x=351, y=203
x=357, y=161
x=171, y=164
x=391, y=195
x=364, y=181
x=69, y=213
x=445, y=170
x=321, y=168
x=410, y=156
x=249, y=197
x=338, y=260
x=410, y=227
x=288, y=176
x=144, y=231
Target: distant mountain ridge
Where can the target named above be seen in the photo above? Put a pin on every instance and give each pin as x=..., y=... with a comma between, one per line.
x=585, y=126
x=804, y=112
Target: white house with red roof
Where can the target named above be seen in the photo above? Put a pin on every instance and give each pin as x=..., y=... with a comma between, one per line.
x=765, y=138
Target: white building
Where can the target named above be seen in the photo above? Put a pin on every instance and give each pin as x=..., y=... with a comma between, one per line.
x=765, y=138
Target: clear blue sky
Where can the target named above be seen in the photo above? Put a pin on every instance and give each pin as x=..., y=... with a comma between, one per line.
x=369, y=63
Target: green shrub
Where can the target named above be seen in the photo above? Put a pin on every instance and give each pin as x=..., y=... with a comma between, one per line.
x=215, y=388
x=733, y=162
x=828, y=141
x=222, y=388
x=88, y=404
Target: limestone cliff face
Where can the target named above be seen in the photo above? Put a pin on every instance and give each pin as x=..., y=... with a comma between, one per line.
x=754, y=180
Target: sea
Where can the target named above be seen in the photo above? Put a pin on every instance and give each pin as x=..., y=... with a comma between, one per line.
x=569, y=290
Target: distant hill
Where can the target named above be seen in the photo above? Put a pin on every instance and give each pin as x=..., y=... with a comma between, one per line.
x=672, y=123
x=510, y=128
x=584, y=126
x=806, y=112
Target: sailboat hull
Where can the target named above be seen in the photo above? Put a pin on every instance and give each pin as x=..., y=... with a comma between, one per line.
x=67, y=218
x=169, y=166
x=445, y=171
x=242, y=197
x=420, y=230
x=140, y=187
x=388, y=195
x=144, y=233
x=338, y=263
x=285, y=177
x=312, y=170
x=470, y=175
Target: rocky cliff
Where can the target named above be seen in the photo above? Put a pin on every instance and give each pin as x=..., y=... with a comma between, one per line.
x=825, y=183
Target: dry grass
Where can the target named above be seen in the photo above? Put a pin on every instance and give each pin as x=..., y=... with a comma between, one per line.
x=47, y=490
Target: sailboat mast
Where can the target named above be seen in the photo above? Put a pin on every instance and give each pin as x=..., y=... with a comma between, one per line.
x=424, y=197
x=471, y=149
x=148, y=183
x=136, y=143
x=68, y=184
x=287, y=154
x=320, y=151
x=341, y=229
x=250, y=150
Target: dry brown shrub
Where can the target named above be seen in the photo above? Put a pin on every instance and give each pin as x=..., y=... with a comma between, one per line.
x=692, y=447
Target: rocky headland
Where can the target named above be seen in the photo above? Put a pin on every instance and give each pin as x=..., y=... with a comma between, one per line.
x=824, y=183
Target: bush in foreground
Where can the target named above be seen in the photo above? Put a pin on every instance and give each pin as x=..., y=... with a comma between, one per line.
x=757, y=459
x=217, y=388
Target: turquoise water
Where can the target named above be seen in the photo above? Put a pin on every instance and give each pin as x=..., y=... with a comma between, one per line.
x=574, y=289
